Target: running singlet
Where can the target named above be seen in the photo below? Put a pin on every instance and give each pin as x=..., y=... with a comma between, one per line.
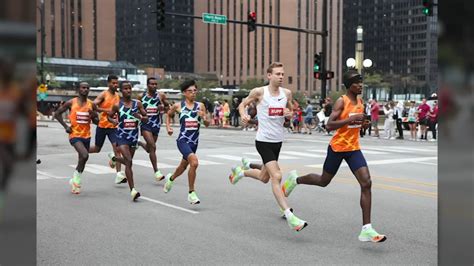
x=127, y=128
x=347, y=137
x=9, y=100
x=270, y=116
x=80, y=119
x=190, y=124
x=151, y=106
x=109, y=101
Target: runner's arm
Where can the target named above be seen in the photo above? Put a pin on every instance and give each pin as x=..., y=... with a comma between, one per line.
x=254, y=96
x=289, y=112
x=202, y=114
x=334, y=122
x=67, y=105
x=144, y=116
x=98, y=101
x=111, y=113
x=94, y=115
x=170, y=113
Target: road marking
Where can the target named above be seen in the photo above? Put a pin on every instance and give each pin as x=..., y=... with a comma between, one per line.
x=404, y=180
x=169, y=205
x=398, y=149
x=40, y=175
x=381, y=162
x=304, y=154
x=364, y=151
x=201, y=161
x=427, y=163
x=228, y=157
x=96, y=169
x=284, y=157
x=146, y=163
x=394, y=188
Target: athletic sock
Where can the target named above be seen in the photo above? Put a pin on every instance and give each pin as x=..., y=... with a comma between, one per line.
x=367, y=226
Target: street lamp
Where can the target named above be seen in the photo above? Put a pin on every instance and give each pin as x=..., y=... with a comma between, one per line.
x=350, y=62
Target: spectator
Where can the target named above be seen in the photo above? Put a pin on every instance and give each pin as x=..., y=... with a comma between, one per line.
x=412, y=120
x=388, y=109
x=226, y=110
x=423, y=119
x=374, y=116
x=363, y=130
x=433, y=120
x=397, y=116
x=235, y=112
x=308, y=118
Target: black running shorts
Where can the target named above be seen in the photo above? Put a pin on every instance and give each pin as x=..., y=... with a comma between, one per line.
x=268, y=151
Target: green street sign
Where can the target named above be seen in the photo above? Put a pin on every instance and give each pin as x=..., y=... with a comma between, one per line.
x=214, y=18
x=43, y=95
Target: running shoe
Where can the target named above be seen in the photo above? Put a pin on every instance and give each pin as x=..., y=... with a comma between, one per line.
x=193, y=198
x=371, y=235
x=159, y=176
x=135, y=194
x=236, y=175
x=75, y=183
x=245, y=163
x=296, y=223
x=111, y=156
x=120, y=178
x=169, y=183
x=290, y=183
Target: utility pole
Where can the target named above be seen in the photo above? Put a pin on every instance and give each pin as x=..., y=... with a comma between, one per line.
x=324, y=49
x=43, y=39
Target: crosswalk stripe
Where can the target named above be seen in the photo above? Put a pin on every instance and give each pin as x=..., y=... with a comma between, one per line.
x=227, y=157
x=201, y=161
x=41, y=177
x=398, y=149
x=96, y=169
x=364, y=151
x=381, y=162
x=284, y=157
x=304, y=154
x=45, y=175
x=148, y=164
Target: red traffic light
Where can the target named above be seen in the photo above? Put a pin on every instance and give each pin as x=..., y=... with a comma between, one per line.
x=253, y=15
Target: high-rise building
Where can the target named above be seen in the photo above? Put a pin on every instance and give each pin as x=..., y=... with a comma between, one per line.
x=235, y=55
x=82, y=29
x=141, y=43
x=398, y=38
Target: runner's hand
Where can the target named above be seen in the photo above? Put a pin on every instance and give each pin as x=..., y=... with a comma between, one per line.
x=69, y=130
x=245, y=119
x=287, y=113
x=356, y=119
x=170, y=131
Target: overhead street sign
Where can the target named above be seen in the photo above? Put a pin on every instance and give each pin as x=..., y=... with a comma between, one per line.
x=214, y=18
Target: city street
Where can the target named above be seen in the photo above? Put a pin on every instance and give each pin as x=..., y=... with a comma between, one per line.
x=234, y=224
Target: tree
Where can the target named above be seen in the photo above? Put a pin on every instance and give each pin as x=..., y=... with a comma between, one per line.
x=252, y=83
x=300, y=98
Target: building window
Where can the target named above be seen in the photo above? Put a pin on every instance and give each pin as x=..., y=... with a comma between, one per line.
x=290, y=80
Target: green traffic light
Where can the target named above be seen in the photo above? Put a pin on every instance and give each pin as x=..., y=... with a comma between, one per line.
x=426, y=11
x=316, y=68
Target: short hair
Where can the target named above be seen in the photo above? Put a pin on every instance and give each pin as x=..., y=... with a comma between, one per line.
x=125, y=82
x=148, y=80
x=111, y=77
x=186, y=84
x=351, y=77
x=272, y=66
x=83, y=82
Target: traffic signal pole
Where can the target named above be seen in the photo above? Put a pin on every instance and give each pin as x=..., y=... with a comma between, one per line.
x=324, y=49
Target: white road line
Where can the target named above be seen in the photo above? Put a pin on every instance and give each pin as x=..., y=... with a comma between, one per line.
x=284, y=157
x=227, y=157
x=364, y=151
x=41, y=177
x=388, y=161
x=303, y=154
x=398, y=149
x=201, y=161
x=311, y=140
x=45, y=175
x=146, y=163
x=427, y=163
x=169, y=205
x=96, y=169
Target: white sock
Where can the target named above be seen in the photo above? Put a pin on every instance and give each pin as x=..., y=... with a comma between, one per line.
x=288, y=213
x=366, y=226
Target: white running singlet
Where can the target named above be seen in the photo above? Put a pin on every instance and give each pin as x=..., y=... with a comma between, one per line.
x=270, y=116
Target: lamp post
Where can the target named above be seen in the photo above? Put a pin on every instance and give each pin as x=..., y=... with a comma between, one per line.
x=43, y=39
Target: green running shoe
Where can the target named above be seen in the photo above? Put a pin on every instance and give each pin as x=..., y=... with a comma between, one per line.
x=236, y=175
x=75, y=183
x=290, y=183
x=169, y=183
x=120, y=178
x=135, y=194
x=371, y=235
x=159, y=176
x=193, y=198
x=296, y=223
x=245, y=163
x=111, y=156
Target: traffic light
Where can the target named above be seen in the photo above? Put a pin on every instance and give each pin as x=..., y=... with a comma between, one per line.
x=317, y=66
x=252, y=18
x=160, y=14
x=428, y=7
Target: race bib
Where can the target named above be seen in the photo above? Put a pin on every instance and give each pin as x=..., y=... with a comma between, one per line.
x=82, y=117
x=275, y=111
x=152, y=111
x=191, y=124
x=353, y=126
x=129, y=124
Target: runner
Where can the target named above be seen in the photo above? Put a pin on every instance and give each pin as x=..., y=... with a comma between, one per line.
x=347, y=117
x=191, y=114
x=273, y=105
x=129, y=112
x=104, y=103
x=82, y=112
x=153, y=102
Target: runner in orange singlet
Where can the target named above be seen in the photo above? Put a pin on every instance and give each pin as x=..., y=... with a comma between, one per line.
x=82, y=112
x=347, y=117
x=105, y=101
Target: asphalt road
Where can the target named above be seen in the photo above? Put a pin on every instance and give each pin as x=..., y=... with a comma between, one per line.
x=234, y=224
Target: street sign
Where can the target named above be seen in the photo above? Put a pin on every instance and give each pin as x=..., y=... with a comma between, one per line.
x=214, y=18
x=43, y=96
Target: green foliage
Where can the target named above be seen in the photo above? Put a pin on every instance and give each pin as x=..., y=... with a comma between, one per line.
x=252, y=83
x=205, y=93
x=169, y=84
x=300, y=98
x=334, y=95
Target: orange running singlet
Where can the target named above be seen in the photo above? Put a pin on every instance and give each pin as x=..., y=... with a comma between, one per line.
x=347, y=137
x=80, y=119
x=10, y=98
x=109, y=101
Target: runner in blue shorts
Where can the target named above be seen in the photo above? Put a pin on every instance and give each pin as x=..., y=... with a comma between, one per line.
x=191, y=114
x=130, y=112
x=153, y=103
